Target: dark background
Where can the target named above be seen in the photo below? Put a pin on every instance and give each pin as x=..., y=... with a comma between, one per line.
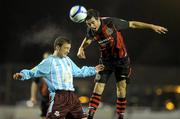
x=30, y=26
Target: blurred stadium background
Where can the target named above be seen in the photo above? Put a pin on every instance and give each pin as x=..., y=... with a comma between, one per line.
x=30, y=26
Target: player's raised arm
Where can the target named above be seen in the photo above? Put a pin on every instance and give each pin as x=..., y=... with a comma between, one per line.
x=142, y=25
x=81, y=53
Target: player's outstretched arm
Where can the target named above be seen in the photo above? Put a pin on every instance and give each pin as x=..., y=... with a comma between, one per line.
x=142, y=25
x=81, y=53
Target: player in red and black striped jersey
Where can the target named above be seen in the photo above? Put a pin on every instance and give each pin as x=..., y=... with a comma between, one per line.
x=107, y=32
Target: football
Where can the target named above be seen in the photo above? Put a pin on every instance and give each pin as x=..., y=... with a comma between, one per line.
x=78, y=13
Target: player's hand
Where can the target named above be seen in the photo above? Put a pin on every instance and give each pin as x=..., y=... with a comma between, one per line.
x=159, y=29
x=99, y=68
x=17, y=76
x=81, y=53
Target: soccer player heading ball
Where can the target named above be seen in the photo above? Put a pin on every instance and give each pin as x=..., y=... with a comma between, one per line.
x=107, y=32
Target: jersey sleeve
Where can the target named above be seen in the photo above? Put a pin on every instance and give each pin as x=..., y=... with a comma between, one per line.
x=120, y=23
x=85, y=71
x=41, y=70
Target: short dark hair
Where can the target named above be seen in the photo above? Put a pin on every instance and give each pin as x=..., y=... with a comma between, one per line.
x=92, y=13
x=59, y=41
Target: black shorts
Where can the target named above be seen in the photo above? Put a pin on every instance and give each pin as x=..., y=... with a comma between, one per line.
x=120, y=67
x=65, y=104
x=44, y=105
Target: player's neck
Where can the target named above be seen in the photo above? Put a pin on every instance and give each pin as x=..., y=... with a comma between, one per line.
x=57, y=54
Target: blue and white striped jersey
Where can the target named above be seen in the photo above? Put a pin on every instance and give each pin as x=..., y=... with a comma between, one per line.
x=58, y=72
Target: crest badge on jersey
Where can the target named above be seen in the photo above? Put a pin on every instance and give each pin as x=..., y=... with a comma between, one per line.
x=56, y=113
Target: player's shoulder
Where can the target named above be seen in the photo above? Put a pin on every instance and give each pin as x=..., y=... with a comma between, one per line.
x=50, y=58
x=68, y=58
x=107, y=20
x=47, y=60
x=111, y=19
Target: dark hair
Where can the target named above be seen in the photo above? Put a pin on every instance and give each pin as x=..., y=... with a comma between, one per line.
x=59, y=41
x=92, y=13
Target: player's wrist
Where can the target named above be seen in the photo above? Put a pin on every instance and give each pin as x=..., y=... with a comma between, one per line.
x=152, y=26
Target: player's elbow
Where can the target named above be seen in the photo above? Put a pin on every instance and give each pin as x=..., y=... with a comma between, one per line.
x=87, y=43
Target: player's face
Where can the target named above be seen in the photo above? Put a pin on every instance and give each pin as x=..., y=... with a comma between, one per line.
x=93, y=23
x=64, y=50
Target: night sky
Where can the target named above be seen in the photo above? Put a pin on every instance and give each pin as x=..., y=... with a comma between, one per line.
x=30, y=26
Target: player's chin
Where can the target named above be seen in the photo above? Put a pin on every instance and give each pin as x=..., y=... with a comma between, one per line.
x=65, y=55
x=94, y=29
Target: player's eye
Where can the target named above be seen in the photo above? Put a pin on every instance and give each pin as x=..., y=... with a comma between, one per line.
x=88, y=24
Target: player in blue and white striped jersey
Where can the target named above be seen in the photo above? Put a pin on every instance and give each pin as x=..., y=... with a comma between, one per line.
x=58, y=71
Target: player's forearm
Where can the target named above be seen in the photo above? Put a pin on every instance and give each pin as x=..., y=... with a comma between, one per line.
x=140, y=25
x=85, y=43
x=85, y=72
x=28, y=74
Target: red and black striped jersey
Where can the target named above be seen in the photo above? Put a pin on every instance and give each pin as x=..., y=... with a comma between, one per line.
x=109, y=37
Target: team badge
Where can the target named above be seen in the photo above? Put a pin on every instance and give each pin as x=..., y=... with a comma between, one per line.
x=56, y=113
